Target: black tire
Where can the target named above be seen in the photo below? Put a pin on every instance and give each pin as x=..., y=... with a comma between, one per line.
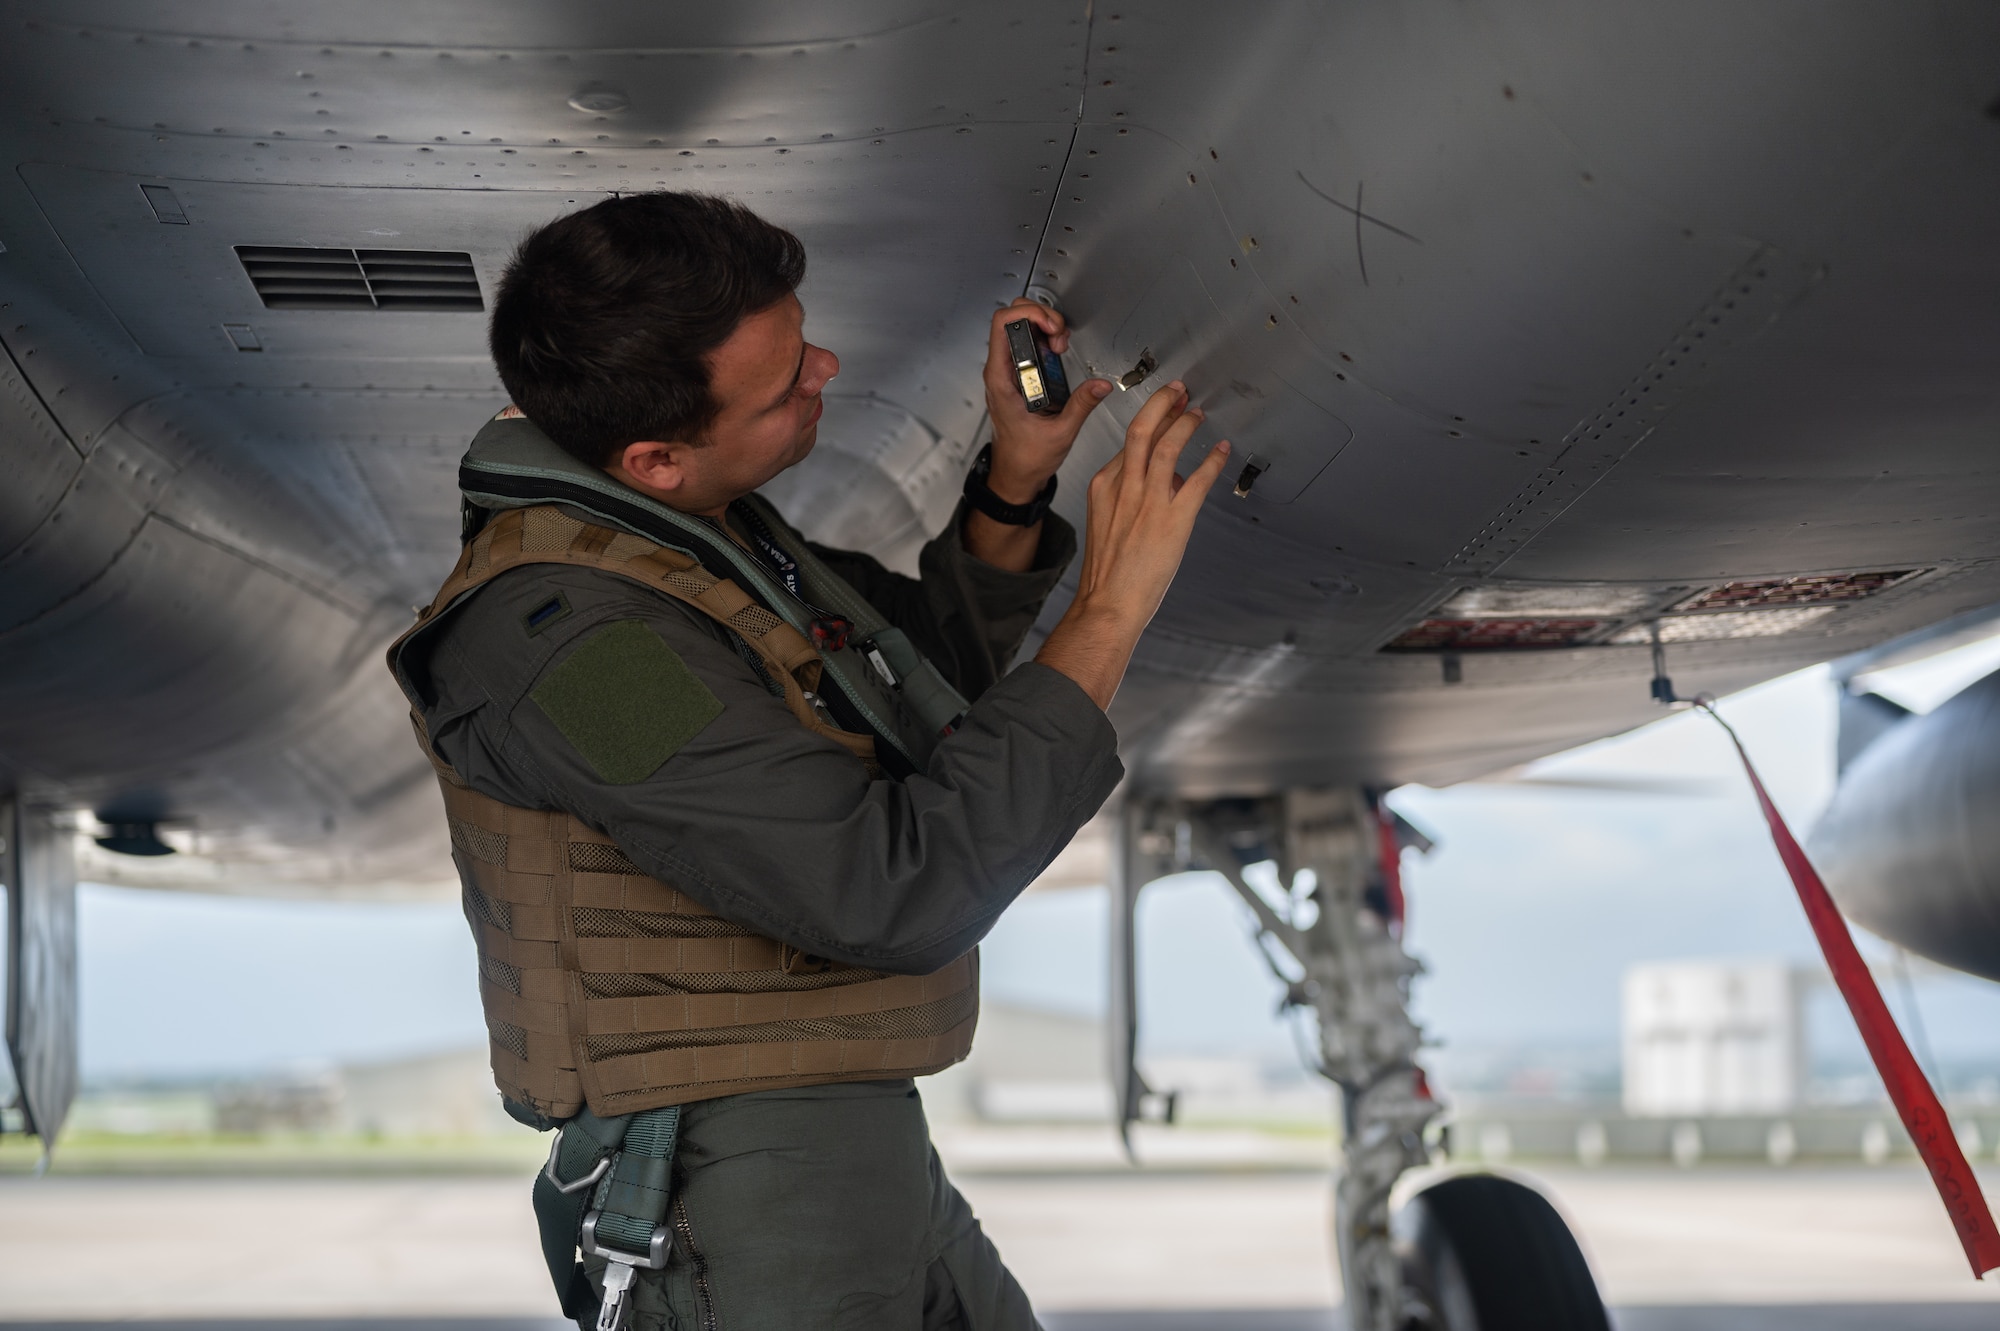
x=1484, y=1253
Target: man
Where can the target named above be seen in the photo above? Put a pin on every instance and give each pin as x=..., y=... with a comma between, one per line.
x=731, y=809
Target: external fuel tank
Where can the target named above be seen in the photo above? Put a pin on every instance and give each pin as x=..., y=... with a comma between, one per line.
x=1910, y=845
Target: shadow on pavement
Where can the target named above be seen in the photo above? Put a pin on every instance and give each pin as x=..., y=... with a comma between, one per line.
x=1812, y=1317
x=1704, y=1317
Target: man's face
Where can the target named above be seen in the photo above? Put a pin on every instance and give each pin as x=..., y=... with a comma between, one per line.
x=766, y=379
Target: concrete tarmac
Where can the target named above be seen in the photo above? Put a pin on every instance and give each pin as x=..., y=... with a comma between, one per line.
x=1711, y=1317
x=1764, y=1250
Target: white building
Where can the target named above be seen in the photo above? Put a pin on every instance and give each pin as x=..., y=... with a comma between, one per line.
x=1032, y=1066
x=1712, y=1037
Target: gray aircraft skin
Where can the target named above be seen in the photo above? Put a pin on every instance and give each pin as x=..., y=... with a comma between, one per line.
x=1525, y=361
x=1534, y=325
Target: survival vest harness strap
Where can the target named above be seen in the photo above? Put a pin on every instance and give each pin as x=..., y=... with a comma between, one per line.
x=606, y=1189
x=881, y=676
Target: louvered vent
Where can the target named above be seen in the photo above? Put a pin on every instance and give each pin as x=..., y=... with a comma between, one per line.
x=1824, y=590
x=289, y=278
x=1493, y=635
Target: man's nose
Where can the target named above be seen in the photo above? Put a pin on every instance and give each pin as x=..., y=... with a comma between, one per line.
x=821, y=366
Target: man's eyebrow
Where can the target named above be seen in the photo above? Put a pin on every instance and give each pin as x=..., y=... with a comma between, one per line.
x=798, y=372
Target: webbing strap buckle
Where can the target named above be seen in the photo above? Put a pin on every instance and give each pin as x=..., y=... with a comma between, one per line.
x=653, y=1259
x=621, y=1268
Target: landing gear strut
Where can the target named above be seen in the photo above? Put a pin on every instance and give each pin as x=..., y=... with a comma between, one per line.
x=1332, y=934
x=38, y=869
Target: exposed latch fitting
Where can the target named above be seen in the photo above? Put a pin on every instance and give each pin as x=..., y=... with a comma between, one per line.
x=1135, y=376
x=1252, y=469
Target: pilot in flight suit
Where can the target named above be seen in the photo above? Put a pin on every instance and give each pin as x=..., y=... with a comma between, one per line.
x=716, y=848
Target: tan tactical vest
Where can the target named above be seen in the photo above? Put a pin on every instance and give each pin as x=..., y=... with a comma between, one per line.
x=604, y=986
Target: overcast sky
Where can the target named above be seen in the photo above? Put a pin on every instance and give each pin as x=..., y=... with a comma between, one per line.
x=1527, y=914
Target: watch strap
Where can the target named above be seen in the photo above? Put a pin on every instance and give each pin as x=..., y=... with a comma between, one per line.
x=981, y=496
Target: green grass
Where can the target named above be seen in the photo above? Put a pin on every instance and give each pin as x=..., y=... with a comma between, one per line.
x=83, y=1153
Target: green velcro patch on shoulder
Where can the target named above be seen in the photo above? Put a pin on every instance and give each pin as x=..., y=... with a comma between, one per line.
x=626, y=701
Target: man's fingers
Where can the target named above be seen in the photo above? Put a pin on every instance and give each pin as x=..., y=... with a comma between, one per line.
x=1084, y=400
x=1055, y=328
x=1142, y=437
x=1160, y=408
x=1170, y=441
x=1109, y=474
x=999, y=357
x=1049, y=321
x=1202, y=479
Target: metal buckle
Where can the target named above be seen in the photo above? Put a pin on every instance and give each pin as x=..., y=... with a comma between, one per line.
x=654, y=1259
x=549, y=1170
x=618, y=1281
x=621, y=1269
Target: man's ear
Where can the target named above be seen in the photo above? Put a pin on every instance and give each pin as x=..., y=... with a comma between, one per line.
x=650, y=465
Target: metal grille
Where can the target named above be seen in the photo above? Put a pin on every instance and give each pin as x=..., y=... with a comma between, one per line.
x=1724, y=625
x=1490, y=635
x=910, y=1023
x=1596, y=600
x=421, y=279
x=296, y=278
x=1827, y=590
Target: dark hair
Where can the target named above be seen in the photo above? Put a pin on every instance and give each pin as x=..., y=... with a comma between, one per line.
x=604, y=316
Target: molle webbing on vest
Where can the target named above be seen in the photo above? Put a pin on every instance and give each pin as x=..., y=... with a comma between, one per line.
x=604, y=986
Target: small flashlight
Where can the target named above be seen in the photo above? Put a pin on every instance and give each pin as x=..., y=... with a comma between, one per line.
x=1038, y=371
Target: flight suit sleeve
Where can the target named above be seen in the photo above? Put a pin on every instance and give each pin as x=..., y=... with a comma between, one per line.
x=761, y=820
x=966, y=615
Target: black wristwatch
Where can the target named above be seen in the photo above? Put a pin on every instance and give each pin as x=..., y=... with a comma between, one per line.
x=981, y=497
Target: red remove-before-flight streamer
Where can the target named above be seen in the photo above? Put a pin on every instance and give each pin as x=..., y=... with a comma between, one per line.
x=1909, y=1090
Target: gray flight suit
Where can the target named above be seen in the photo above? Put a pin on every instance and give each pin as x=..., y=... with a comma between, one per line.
x=824, y=1206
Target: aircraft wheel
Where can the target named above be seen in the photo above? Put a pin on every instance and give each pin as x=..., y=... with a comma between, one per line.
x=1484, y=1253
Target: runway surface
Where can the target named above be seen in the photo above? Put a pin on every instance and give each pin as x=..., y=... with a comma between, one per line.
x=1718, y=1317
x=1764, y=1250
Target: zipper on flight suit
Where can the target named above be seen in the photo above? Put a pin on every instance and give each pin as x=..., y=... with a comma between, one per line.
x=704, y=1301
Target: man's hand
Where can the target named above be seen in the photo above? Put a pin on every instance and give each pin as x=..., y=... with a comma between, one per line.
x=1141, y=516
x=1027, y=448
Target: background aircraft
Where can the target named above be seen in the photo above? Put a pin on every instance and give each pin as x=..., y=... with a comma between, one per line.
x=1544, y=331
